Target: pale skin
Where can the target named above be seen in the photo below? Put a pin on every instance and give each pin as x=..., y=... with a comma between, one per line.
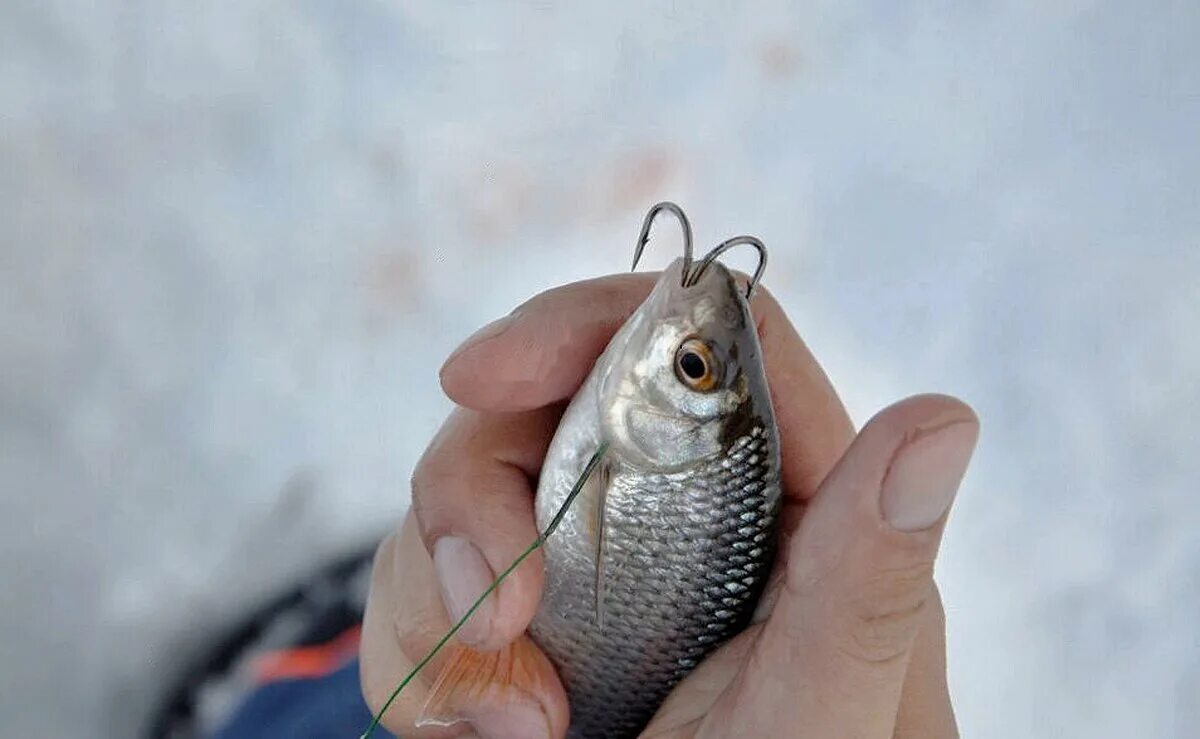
x=850, y=638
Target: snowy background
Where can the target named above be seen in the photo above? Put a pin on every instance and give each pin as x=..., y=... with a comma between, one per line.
x=237, y=239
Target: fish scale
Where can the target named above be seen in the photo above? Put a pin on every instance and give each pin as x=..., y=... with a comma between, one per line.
x=677, y=524
x=659, y=628
x=661, y=489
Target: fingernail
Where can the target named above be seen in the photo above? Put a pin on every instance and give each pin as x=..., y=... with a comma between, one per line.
x=924, y=476
x=490, y=331
x=513, y=721
x=464, y=574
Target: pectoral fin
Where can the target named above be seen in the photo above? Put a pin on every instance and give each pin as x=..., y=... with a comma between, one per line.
x=503, y=675
x=473, y=680
x=601, y=479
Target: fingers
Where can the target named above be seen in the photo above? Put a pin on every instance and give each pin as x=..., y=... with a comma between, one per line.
x=814, y=427
x=404, y=619
x=473, y=499
x=542, y=352
x=833, y=656
x=925, y=709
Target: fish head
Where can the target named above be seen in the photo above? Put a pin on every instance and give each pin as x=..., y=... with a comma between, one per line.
x=683, y=378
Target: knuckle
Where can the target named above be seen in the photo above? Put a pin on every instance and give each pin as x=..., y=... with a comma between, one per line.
x=428, y=506
x=421, y=486
x=883, y=614
x=437, y=465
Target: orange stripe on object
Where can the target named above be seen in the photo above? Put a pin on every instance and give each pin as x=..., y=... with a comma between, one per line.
x=306, y=663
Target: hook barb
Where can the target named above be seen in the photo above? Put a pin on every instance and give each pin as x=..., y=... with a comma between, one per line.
x=644, y=236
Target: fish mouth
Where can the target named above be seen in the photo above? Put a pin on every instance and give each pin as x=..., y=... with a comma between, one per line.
x=693, y=272
x=686, y=282
x=714, y=297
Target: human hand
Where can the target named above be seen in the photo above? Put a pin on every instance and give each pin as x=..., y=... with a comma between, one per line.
x=849, y=638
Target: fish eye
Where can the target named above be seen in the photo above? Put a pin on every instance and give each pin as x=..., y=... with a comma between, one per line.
x=695, y=365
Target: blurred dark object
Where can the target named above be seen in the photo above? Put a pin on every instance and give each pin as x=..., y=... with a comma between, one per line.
x=290, y=669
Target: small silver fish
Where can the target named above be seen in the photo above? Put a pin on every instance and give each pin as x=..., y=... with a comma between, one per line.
x=664, y=553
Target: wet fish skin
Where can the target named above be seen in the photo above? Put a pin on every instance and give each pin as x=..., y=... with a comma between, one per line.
x=690, y=496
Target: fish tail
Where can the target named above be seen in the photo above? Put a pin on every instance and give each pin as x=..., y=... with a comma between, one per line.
x=472, y=679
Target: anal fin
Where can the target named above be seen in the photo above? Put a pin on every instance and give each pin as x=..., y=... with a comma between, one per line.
x=515, y=674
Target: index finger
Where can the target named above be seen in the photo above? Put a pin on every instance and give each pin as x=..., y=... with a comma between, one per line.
x=541, y=353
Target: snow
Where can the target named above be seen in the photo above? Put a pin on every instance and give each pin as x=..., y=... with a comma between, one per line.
x=237, y=239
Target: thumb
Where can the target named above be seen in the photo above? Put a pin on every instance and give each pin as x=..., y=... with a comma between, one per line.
x=832, y=658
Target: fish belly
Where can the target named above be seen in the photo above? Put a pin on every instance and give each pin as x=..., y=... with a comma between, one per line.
x=683, y=562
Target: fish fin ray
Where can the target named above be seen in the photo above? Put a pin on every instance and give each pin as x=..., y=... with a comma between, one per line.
x=603, y=475
x=515, y=673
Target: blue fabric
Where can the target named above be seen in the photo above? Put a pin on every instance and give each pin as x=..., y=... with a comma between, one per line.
x=330, y=707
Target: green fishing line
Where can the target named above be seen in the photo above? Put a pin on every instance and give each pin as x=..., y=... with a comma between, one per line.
x=540, y=540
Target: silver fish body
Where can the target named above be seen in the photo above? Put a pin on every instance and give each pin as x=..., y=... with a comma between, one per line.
x=676, y=526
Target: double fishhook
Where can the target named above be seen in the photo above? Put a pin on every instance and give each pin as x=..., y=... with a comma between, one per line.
x=692, y=276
